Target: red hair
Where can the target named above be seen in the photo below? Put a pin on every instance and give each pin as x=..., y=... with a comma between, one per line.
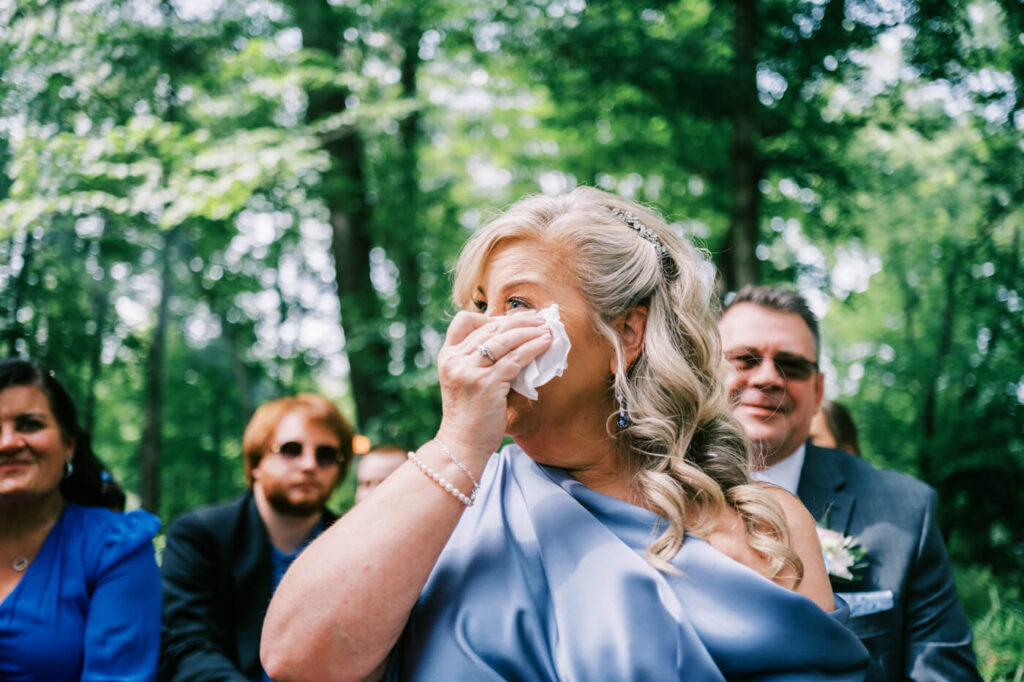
x=256, y=440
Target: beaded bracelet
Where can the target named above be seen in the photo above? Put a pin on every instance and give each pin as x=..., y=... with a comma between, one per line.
x=440, y=480
x=445, y=450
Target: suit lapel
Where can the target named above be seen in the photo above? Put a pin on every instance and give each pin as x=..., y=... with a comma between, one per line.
x=821, y=489
x=254, y=578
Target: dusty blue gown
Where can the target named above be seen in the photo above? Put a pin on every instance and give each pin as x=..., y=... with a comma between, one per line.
x=88, y=606
x=545, y=579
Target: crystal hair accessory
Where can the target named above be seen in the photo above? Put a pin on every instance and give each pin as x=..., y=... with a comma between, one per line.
x=668, y=264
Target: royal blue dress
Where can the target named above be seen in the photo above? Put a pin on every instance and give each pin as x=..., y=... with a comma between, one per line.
x=88, y=606
x=545, y=579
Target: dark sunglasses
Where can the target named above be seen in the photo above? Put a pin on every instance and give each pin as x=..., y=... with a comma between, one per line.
x=788, y=366
x=326, y=455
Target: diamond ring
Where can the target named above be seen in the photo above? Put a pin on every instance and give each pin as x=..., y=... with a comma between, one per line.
x=486, y=352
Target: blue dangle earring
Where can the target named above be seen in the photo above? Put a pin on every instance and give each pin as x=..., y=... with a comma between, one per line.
x=623, y=420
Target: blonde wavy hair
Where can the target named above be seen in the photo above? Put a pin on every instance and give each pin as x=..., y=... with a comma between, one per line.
x=691, y=458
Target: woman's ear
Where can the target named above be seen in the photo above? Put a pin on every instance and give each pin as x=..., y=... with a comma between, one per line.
x=631, y=327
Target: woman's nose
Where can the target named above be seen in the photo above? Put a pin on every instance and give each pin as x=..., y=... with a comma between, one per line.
x=10, y=439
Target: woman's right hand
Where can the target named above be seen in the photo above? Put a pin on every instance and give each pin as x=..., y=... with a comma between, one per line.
x=474, y=390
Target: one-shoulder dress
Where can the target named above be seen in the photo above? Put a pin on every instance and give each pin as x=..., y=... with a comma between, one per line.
x=88, y=606
x=545, y=579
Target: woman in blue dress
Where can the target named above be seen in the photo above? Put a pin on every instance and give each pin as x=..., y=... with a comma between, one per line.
x=79, y=585
x=619, y=538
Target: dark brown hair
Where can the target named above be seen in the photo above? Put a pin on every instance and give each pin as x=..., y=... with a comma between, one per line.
x=781, y=299
x=840, y=423
x=90, y=484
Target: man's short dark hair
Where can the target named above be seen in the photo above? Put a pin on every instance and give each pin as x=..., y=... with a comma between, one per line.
x=780, y=298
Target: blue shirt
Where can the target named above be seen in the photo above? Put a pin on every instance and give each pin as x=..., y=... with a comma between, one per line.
x=282, y=561
x=88, y=606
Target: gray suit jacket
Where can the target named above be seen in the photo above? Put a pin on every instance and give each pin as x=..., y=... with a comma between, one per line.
x=924, y=635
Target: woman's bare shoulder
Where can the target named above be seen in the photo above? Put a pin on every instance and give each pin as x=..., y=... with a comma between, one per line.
x=729, y=537
x=797, y=517
x=803, y=538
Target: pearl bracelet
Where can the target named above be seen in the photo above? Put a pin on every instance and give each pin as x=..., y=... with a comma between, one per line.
x=445, y=450
x=440, y=480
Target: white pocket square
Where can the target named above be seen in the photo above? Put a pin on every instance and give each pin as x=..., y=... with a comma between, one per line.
x=864, y=603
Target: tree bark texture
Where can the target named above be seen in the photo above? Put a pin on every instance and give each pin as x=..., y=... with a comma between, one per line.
x=344, y=190
x=739, y=262
x=149, y=449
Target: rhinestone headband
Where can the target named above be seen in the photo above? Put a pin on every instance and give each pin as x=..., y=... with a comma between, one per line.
x=669, y=268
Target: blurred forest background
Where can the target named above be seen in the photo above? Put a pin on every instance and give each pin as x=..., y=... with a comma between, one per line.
x=205, y=204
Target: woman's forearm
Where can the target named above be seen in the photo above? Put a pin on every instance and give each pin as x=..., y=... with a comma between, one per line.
x=343, y=604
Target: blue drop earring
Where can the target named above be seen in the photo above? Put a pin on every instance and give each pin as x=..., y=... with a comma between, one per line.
x=623, y=420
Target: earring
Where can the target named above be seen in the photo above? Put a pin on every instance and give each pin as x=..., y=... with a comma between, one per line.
x=69, y=468
x=623, y=420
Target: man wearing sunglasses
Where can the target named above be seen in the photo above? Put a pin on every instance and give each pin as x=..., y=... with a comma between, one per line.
x=903, y=603
x=222, y=564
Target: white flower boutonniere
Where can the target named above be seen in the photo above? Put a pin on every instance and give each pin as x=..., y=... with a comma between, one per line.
x=844, y=557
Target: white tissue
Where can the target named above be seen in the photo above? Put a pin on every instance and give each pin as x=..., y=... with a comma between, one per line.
x=551, y=362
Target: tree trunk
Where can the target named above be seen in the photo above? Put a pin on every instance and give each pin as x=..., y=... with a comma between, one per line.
x=345, y=193
x=739, y=262
x=101, y=306
x=149, y=449
x=241, y=375
x=410, y=308
x=929, y=410
x=366, y=348
x=99, y=293
x=217, y=436
x=20, y=286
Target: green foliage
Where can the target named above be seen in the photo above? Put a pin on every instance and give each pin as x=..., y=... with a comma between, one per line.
x=937, y=337
x=311, y=169
x=996, y=612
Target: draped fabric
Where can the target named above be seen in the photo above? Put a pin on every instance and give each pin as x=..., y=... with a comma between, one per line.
x=545, y=579
x=88, y=606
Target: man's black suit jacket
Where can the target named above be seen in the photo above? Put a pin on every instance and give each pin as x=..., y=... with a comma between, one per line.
x=217, y=581
x=924, y=636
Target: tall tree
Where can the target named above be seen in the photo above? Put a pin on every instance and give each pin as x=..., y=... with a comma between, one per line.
x=734, y=96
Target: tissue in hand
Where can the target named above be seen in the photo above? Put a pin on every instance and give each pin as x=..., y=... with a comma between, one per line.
x=549, y=364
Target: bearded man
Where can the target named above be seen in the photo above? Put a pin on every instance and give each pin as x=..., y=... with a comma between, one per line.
x=222, y=564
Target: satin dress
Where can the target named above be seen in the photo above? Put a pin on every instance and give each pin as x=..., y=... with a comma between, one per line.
x=545, y=579
x=88, y=606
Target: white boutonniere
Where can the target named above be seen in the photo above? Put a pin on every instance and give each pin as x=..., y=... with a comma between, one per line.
x=844, y=557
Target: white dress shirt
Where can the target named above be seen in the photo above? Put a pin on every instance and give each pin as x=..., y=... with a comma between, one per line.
x=785, y=474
